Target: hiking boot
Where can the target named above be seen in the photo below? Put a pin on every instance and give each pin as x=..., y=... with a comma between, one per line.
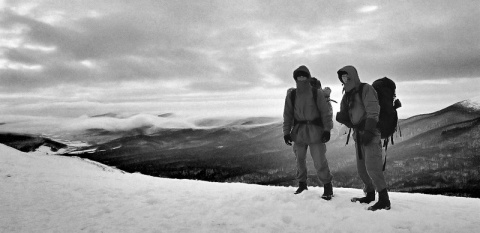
x=301, y=187
x=383, y=201
x=370, y=196
x=327, y=191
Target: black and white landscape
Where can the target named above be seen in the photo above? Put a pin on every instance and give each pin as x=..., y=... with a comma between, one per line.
x=437, y=153
x=165, y=116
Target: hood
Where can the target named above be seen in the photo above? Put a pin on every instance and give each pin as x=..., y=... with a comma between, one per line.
x=352, y=73
x=299, y=70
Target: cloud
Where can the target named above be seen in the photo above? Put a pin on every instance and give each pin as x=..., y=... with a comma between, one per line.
x=167, y=44
x=424, y=41
x=368, y=9
x=133, y=122
x=113, y=51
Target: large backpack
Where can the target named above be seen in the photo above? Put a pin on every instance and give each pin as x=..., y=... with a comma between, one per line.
x=315, y=88
x=388, y=119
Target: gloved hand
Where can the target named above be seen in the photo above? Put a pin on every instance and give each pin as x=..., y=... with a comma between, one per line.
x=367, y=137
x=326, y=136
x=288, y=139
x=342, y=117
x=327, y=91
x=368, y=132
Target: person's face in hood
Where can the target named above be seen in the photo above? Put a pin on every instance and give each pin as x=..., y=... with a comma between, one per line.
x=348, y=82
x=349, y=77
x=346, y=79
x=303, y=83
x=302, y=78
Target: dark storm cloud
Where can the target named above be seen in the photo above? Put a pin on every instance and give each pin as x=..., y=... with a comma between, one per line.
x=220, y=45
x=416, y=41
x=410, y=40
x=174, y=42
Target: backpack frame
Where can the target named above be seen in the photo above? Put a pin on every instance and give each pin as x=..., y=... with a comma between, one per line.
x=388, y=117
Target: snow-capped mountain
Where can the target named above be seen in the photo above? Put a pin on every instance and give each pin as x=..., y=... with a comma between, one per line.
x=456, y=113
x=472, y=103
x=45, y=193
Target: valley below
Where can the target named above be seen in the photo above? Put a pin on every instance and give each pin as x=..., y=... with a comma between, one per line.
x=437, y=153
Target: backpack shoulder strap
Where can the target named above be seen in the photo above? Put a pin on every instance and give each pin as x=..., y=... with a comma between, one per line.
x=360, y=91
x=293, y=95
x=315, y=95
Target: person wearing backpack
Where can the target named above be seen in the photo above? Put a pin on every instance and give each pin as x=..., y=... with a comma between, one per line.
x=307, y=122
x=362, y=114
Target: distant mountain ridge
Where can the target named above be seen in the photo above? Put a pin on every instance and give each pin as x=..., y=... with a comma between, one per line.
x=455, y=113
x=472, y=103
x=437, y=152
x=29, y=143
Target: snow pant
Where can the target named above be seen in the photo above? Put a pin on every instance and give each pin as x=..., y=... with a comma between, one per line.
x=317, y=151
x=370, y=164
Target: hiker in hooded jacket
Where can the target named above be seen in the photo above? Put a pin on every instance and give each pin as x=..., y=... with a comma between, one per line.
x=362, y=114
x=307, y=123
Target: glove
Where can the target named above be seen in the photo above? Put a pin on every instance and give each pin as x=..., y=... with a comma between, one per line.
x=288, y=139
x=368, y=133
x=342, y=117
x=367, y=137
x=326, y=136
x=397, y=104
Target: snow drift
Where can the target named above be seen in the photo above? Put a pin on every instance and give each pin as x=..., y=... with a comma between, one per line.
x=472, y=103
x=48, y=193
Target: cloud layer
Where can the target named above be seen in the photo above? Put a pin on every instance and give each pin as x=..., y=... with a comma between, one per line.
x=115, y=51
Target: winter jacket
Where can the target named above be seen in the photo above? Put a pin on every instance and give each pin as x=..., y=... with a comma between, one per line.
x=305, y=110
x=358, y=108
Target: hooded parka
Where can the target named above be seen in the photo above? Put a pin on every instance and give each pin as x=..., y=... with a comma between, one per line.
x=311, y=122
x=305, y=110
x=361, y=109
x=358, y=108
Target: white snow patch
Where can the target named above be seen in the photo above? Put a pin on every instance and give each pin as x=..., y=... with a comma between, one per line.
x=83, y=151
x=61, y=194
x=473, y=103
x=73, y=144
x=43, y=150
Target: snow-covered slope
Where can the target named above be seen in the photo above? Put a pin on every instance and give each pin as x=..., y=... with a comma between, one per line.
x=47, y=193
x=472, y=103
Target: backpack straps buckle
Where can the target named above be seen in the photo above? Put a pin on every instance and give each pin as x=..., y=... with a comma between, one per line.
x=317, y=121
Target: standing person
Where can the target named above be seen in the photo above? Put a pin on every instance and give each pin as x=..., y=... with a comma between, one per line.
x=361, y=113
x=307, y=123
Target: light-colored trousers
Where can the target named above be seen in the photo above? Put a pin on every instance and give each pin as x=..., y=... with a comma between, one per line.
x=370, y=167
x=317, y=151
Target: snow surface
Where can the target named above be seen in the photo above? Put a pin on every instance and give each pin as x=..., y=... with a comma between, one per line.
x=473, y=103
x=49, y=193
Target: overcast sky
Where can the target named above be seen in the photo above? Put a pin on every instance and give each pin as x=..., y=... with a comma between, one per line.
x=70, y=58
